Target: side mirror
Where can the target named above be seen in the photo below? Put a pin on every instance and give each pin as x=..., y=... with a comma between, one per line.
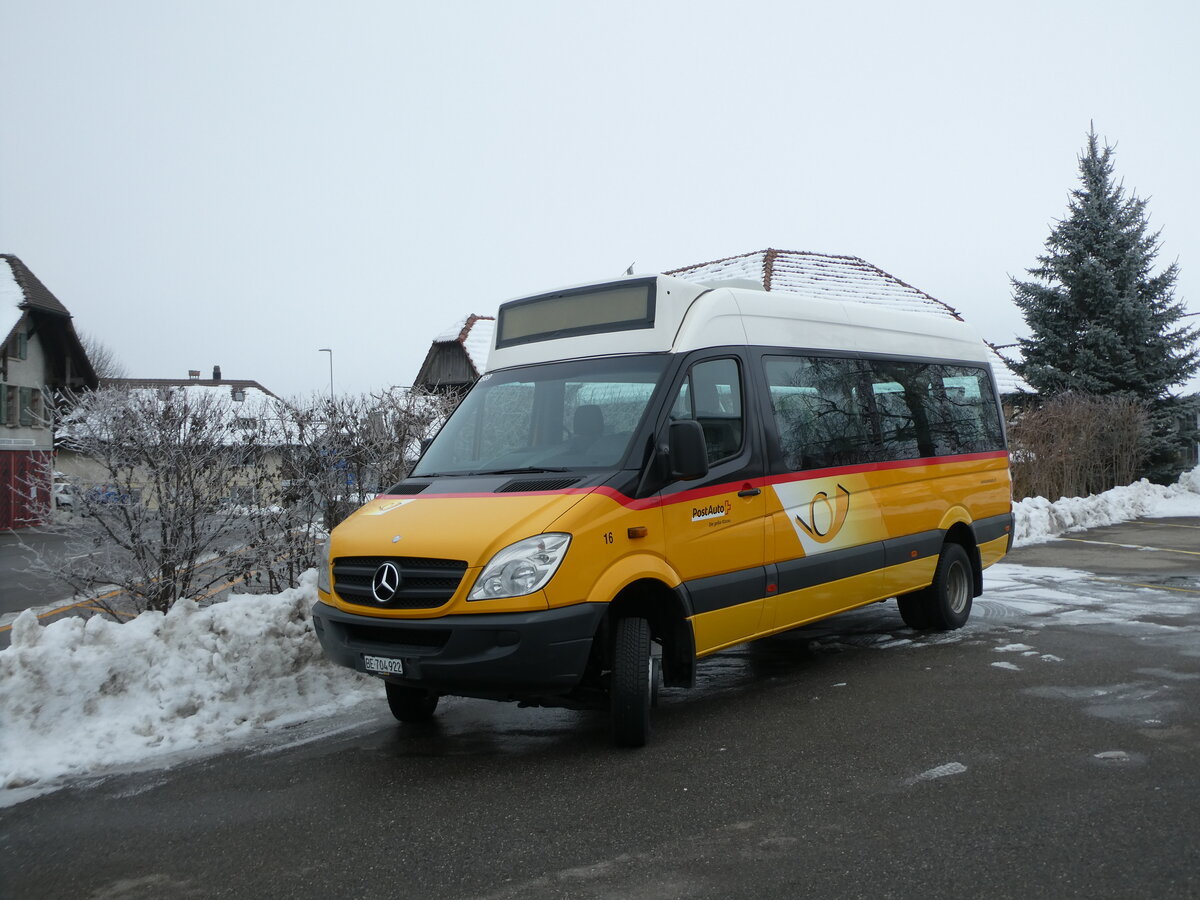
x=687, y=451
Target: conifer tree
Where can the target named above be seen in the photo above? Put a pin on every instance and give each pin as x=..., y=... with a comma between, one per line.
x=1101, y=321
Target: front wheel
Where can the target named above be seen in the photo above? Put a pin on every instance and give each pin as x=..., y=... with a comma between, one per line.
x=410, y=704
x=631, y=683
x=946, y=604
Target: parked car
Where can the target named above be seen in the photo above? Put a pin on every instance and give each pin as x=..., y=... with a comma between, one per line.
x=63, y=492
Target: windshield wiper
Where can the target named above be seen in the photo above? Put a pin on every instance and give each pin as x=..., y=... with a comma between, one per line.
x=525, y=470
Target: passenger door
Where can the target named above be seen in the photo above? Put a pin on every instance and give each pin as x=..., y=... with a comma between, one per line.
x=715, y=525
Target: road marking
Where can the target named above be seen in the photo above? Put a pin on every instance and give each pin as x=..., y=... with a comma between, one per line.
x=1132, y=546
x=82, y=604
x=1158, y=587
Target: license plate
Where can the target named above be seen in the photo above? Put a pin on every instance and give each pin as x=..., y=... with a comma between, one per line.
x=383, y=665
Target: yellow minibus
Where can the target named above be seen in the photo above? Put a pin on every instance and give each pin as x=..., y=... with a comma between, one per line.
x=652, y=470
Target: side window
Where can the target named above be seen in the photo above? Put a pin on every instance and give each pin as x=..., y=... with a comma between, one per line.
x=905, y=405
x=968, y=421
x=927, y=409
x=26, y=400
x=712, y=395
x=821, y=416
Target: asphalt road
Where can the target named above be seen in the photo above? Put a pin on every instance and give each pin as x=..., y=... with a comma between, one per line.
x=1029, y=755
x=20, y=587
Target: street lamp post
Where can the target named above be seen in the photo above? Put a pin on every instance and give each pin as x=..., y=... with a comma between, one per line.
x=330, y=352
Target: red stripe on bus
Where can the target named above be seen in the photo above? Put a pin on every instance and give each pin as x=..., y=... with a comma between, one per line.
x=724, y=487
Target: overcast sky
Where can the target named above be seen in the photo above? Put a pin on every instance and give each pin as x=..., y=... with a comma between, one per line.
x=241, y=183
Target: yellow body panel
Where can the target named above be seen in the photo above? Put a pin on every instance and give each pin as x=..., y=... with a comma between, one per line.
x=907, y=576
x=993, y=551
x=727, y=627
x=823, y=600
x=681, y=538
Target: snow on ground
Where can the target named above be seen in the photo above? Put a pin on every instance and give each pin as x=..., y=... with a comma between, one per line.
x=80, y=697
x=1038, y=520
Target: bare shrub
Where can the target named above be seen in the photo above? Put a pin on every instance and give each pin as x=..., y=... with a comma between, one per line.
x=326, y=459
x=1074, y=445
x=159, y=465
x=181, y=492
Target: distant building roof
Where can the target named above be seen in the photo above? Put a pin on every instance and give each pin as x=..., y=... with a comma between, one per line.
x=23, y=294
x=458, y=355
x=31, y=289
x=845, y=278
x=229, y=385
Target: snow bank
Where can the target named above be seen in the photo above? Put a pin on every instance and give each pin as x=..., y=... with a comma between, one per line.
x=1038, y=520
x=78, y=696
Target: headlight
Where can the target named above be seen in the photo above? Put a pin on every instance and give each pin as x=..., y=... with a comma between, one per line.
x=521, y=568
x=323, y=562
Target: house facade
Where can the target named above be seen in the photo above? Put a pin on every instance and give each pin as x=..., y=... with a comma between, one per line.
x=40, y=356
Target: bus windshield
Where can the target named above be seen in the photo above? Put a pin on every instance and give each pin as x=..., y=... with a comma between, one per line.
x=552, y=417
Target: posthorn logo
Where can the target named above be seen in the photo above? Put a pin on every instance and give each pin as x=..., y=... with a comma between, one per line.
x=386, y=582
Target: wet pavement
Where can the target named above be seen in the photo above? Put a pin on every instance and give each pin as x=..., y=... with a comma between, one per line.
x=1049, y=749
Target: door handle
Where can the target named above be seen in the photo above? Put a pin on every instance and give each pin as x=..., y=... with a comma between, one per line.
x=750, y=492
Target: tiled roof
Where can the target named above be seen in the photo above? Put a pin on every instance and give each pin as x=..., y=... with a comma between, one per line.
x=845, y=278
x=34, y=293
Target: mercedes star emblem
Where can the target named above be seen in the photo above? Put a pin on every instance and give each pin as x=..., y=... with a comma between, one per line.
x=386, y=582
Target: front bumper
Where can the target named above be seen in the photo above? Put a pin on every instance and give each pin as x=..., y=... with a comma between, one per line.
x=498, y=656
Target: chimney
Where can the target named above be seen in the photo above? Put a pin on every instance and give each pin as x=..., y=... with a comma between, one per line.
x=216, y=373
x=194, y=374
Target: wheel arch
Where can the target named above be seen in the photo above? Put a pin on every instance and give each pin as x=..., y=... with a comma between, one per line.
x=962, y=534
x=665, y=608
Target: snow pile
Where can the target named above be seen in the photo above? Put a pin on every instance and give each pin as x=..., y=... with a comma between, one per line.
x=1038, y=520
x=78, y=696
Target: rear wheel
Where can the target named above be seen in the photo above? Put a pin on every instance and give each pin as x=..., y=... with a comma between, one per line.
x=410, y=704
x=945, y=604
x=632, y=683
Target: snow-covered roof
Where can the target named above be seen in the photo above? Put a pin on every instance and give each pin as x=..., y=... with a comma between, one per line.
x=823, y=276
x=258, y=408
x=475, y=334
x=255, y=392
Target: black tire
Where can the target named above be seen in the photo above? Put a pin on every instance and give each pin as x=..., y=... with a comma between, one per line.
x=631, y=686
x=914, y=610
x=946, y=604
x=410, y=704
